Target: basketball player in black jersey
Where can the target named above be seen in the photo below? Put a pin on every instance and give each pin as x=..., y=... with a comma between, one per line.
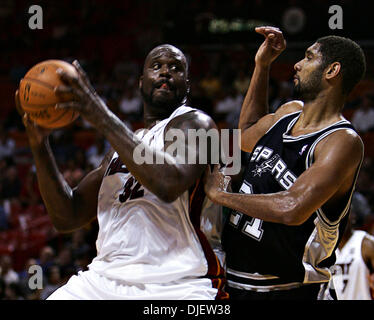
x=290, y=212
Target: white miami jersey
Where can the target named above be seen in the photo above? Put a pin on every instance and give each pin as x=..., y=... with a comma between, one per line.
x=350, y=271
x=142, y=239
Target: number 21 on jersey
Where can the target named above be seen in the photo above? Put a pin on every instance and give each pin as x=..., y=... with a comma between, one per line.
x=251, y=228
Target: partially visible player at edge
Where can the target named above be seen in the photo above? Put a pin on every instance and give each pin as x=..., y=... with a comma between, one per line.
x=149, y=244
x=353, y=272
x=294, y=201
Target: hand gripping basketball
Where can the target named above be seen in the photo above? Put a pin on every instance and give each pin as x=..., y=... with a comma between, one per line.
x=85, y=100
x=37, y=94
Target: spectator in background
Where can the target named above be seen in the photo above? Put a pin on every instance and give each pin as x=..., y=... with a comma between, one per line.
x=365, y=181
x=72, y=174
x=62, y=142
x=3, y=217
x=30, y=190
x=82, y=251
x=82, y=259
x=75, y=168
x=130, y=104
x=13, y=292
x=78, y=243
x=363, y=117
x=53, y=281
x=5, y=201
x=199, y=98
x=7, y=272
x=97, y=151
x=284, y=94
x=7, y=144
x=65, y=262
x=24, y=277
x=241, y=82
x=229, y=104
x=360, y=204
x=11, y=183
x=211, y=85
x=80, y=159
x=4, y=164
x=4, y=211
x=126, y=71
x=46, y=258
x=2, y=289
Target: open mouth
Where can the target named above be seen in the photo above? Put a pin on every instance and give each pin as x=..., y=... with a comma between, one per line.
x=164, y=85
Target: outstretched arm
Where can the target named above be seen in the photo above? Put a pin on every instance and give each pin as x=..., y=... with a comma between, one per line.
x=255, y=104
x=324, y=183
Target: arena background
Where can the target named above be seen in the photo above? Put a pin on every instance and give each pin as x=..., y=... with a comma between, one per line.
x=111, y=40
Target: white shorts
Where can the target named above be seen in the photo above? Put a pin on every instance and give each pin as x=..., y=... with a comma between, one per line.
x=88, y=285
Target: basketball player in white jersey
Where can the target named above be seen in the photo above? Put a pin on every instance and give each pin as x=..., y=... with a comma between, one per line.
x=149, y=244
x=354, y=266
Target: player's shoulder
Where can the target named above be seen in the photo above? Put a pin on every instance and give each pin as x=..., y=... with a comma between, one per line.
x=193, y=119
x=368, y=246
x=289, y=108
x=344, y=144
x=369, y=239
x=346, y=138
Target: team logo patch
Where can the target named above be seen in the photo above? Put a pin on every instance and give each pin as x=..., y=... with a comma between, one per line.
x=265, y=166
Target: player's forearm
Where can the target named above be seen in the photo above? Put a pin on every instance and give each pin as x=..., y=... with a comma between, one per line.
x=165, y=182
x=255, y=104
x=278, y=208
x=55, y=191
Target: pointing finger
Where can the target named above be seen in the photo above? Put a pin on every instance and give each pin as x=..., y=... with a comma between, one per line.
x=83, y=75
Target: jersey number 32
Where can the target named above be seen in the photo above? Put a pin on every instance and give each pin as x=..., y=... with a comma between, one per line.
x=131, y=190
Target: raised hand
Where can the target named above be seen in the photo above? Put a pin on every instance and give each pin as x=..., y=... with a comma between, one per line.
x=272, y=47
x=36, y=134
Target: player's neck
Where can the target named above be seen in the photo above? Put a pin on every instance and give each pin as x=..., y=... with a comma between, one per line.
x=318, y=114
x=154, y=114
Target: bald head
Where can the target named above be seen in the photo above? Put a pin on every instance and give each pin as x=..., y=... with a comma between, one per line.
x=168, y=50
x=164, y=83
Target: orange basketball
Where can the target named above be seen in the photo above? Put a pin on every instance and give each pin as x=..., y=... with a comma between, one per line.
x=37, y=96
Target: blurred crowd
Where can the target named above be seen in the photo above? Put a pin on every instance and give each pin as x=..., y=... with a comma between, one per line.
x=26, y=233
x=219, y=80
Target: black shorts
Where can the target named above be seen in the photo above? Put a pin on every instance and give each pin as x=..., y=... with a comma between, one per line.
x=307, y=292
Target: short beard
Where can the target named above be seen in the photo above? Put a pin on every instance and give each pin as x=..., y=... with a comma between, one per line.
x=309, y=90
x=162, y=104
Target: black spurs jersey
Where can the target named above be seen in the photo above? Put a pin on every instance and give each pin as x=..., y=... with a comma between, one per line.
x=264, y=256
